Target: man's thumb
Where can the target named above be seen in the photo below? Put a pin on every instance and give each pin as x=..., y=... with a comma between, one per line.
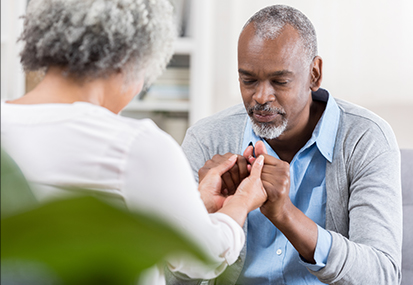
x=260, y=148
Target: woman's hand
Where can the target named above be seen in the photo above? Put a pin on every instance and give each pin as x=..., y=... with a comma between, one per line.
x=230, y=178
x=211, y=184
x=251, y=189
x=249, y=195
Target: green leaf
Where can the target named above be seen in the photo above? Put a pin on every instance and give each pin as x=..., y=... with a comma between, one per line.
x=77, y=241
x=16, y=195
x=86, y=241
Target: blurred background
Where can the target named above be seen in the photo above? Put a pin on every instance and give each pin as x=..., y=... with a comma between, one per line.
x=366, y=47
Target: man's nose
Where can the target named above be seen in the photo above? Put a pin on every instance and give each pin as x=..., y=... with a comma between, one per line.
x=264, y=93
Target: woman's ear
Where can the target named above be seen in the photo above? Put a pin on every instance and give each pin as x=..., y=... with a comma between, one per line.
x=316, y=73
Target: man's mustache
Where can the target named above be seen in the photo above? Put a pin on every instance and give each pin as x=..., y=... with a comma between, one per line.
x=264, y=108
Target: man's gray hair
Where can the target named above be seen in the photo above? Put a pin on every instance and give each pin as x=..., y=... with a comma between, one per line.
x=270, y=21
x=97, y=38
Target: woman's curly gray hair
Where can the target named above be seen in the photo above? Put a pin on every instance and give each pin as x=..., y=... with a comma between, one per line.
x=97, y=38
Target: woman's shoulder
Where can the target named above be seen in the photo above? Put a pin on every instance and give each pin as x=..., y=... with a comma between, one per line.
x=78, y=119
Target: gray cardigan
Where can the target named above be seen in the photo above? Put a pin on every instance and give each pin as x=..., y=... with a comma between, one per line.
x=364, y=207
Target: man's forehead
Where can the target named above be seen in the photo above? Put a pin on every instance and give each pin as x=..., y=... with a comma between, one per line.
x=287, y=46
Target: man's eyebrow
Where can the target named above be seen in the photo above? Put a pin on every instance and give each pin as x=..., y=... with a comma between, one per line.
x=276, y=73
x=242, y=71
x=282, y=73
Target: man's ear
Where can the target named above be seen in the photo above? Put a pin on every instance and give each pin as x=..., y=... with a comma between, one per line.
x=316, y=73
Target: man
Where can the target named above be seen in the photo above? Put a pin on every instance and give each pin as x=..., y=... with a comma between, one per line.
x=331, y=171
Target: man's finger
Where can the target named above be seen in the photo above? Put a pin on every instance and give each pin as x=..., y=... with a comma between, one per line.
x=271, y=160
x=234, y=173
x=248, y=152
x=229, y=182
x=243, y=168
x=224, y=192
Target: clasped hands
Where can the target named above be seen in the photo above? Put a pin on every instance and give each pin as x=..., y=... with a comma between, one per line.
x=258, y=182
x=266, y=185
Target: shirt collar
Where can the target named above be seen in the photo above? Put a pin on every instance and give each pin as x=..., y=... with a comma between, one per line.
x=326, y=130
x=324, y=134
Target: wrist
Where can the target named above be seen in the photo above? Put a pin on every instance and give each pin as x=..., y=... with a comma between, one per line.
x=237, y=208
x=239, y=201
x=208, y=203
x=284, y=216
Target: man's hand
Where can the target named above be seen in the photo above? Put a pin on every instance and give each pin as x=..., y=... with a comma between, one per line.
x=231, y=178
x=211, y=184
x=300, y=230
x=276, y=180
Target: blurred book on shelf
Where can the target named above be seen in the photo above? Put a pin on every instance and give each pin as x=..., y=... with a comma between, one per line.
x=173, y=84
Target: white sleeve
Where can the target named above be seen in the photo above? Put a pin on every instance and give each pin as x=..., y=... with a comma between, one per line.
x=158, y=180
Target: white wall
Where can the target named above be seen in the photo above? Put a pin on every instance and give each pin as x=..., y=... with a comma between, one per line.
x=12, y=75
x=367, y=48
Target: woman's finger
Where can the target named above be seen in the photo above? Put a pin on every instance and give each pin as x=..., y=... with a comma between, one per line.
x=256, y=168
x=224, y=166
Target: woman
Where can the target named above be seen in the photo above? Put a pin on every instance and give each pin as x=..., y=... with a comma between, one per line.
x=98, y=54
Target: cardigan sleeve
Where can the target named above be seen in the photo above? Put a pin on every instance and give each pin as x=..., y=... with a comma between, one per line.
x=365, y=205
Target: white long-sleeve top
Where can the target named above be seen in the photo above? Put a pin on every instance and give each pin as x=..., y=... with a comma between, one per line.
x=84, y=145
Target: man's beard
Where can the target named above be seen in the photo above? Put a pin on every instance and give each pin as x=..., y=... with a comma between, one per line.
x=267, y=130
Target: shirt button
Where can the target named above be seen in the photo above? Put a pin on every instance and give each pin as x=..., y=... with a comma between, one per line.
x=279, y=251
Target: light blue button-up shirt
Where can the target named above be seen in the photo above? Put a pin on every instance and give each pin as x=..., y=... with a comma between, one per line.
x=271, y=258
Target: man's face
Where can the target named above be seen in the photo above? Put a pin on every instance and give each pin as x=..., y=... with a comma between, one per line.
x=274, y=81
